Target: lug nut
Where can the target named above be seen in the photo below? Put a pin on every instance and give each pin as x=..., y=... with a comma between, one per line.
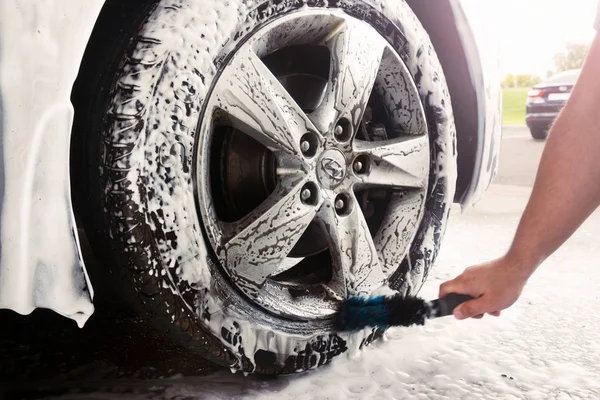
x=305, y=146
x=343, y=130
x=309, y=194
x=361, y=164
x=358, y=166
x=342, y=204
x=309, y=143
x=305, y=195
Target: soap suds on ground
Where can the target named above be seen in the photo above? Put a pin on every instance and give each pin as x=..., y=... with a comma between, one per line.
x=545, y=347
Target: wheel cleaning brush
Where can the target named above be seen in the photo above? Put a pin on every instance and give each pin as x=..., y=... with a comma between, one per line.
x=356, y=313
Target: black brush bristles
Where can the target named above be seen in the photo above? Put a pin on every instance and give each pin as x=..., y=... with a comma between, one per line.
x=357, y=313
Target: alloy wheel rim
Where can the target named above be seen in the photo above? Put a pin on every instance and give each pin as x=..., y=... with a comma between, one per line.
x=320, y=165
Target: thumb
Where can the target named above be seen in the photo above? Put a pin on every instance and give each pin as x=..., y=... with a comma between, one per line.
x=471, y=308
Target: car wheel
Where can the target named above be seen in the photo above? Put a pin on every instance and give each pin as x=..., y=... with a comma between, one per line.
x=539, y=133
x=259, y=164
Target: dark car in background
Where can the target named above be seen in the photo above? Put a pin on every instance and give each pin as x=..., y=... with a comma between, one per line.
x=546, y=99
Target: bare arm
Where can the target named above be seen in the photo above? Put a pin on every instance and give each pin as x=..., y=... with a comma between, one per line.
x=565, y=193
x=567, y=186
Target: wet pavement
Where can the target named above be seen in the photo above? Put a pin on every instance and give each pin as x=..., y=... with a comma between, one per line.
x=47, y=353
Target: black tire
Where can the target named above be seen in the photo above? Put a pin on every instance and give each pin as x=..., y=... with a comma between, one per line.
x=539, y=133
x=148, y=217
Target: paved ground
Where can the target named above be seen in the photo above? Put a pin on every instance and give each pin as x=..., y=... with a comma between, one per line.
x=545, y=347
x=519, y=158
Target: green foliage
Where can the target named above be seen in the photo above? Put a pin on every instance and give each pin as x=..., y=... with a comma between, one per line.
x=513, y=106
x=572, y=57
x=520, y=81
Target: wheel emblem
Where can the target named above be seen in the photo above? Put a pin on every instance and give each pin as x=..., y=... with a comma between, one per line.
x=331, y=168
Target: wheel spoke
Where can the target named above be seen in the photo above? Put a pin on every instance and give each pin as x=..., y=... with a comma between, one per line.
x=269, y=233
x=257, y=104
x=400, y=163
x=402, y=217
x=356, y=57
x=356, y=267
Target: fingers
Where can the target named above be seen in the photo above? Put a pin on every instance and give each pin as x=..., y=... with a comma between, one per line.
x=472, y=308
x=493, y=313
x=482, y=283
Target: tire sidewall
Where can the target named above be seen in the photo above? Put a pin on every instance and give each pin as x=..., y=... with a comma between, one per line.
x=156, y=228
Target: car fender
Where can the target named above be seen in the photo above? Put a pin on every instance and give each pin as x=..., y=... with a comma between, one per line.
x=469, y=53
x=41, y=46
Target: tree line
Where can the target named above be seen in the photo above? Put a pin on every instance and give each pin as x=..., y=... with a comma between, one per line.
x=571, y=57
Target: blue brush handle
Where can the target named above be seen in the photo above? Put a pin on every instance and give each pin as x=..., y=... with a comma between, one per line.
x=445, y=306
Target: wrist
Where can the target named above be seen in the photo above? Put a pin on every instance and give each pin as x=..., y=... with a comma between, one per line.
x=522, y=263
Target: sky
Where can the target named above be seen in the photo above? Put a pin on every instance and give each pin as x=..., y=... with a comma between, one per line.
x=530, y=32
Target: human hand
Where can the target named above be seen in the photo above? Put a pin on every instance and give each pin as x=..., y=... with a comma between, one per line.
x=496, y=285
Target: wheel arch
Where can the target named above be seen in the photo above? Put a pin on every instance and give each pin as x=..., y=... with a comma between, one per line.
x=453, y=40
x=117, y=20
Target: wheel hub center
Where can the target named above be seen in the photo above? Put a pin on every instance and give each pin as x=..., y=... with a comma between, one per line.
x=331, y=168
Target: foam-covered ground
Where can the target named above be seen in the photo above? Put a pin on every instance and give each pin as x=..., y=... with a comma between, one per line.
x=547, y=346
